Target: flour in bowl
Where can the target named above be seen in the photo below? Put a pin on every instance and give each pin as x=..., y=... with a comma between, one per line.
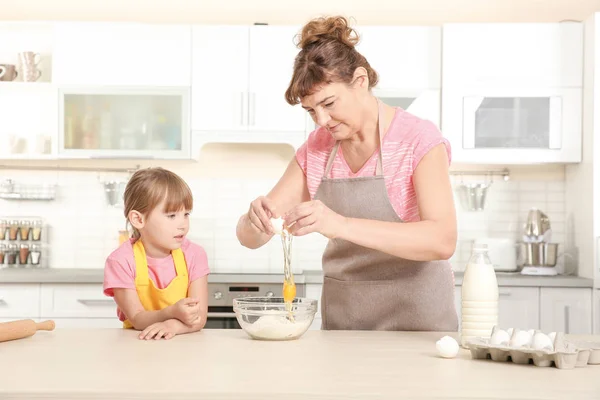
x=277, y=327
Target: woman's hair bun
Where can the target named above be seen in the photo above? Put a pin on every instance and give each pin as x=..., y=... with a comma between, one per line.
x=327, y=29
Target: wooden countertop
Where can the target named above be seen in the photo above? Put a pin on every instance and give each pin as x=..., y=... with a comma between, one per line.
x=226, y=364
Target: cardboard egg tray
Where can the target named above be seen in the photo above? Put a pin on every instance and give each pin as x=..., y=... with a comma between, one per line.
x=566, y=354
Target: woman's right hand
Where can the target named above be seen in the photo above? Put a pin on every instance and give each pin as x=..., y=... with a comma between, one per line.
x=260, y=213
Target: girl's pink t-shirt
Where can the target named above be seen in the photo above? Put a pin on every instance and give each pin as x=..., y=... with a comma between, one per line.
x=119, y=270
x=407, y=140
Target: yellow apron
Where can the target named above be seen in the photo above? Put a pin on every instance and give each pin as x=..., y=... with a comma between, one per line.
x=152, y=298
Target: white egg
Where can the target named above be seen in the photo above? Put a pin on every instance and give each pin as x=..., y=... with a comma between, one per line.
x=552, y=336
x=509, y=331
x=541, y=341
x=277, y=224
x=500, y=337
x=531, y=332
x=447, y=347
x=520, y=339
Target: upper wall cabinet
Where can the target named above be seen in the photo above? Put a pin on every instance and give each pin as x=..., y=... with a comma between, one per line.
x=239, y=78
x=130, y=54
x=408, y=62
x=512, y=93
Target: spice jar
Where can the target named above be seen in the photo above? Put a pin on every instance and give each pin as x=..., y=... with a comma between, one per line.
x=13, y=230
x=3, y=229
x=35, y=253
x=36, y=230
x=23, y=254
x=11, y=254
x=25, y=228
x=2, y=253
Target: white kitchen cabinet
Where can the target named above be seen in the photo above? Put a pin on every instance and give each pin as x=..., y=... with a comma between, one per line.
x=512, y=93
x=519, y=307
x=537, y=55
x=122, y=53
x=566, y=310
x=596, y=311
x=239, y=77
x=19, y=301
x=220, y=83
x=29, y=122
x=410, y=70
x=82, y=300
x=316, y=324
x=457, y=302
x=124, y=122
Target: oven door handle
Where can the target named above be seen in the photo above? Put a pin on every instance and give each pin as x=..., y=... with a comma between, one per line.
x=220, y=315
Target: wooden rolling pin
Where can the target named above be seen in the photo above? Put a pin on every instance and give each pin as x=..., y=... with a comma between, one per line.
x=23, y=328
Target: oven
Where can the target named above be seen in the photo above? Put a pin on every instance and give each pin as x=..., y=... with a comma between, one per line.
x=221, y=295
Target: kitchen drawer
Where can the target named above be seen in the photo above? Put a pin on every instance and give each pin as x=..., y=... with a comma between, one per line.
x=76, y=300
x=19, y=300
x=313, y=291
x=87, y=323
x=316, y=325
x=519, y=307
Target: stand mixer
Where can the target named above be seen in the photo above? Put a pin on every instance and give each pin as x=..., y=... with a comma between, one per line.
x=537, y=254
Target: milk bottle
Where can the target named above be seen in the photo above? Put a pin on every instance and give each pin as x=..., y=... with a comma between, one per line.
x=479, y=305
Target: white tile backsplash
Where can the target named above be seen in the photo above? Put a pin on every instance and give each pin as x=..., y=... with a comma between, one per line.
x=507, y=206
x=83, y=229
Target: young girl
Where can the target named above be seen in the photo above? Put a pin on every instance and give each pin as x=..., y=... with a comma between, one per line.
x=158, y=278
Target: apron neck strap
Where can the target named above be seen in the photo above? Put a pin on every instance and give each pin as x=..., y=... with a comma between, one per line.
x=141, y=263
x=379, y=168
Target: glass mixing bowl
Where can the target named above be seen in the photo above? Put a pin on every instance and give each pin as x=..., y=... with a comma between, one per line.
x=266, y=318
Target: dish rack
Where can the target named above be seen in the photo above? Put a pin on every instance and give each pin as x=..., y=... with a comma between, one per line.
x=9, y=190
x=566, y=354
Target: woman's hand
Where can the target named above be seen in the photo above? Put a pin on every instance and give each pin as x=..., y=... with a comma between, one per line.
x=160, y=330
x=260, y=213
x=314, y=216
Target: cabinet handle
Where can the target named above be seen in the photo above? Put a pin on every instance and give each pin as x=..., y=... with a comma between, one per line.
x=504, y=292
x=252, y=101
x=95, y=302
x=567, y=319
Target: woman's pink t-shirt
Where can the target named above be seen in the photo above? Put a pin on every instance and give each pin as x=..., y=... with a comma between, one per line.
x=407, y=140
x=119, y=270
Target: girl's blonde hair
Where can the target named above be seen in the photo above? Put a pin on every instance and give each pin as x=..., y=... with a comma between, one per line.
x=147, y=188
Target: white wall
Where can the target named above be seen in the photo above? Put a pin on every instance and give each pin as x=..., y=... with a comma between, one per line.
x=285, y=12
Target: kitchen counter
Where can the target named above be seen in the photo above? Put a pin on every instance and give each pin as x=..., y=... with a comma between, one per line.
x=69, y=275
x=226, y=364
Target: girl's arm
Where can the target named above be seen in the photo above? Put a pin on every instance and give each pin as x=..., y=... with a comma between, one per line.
x=129, y=302
x=199, y=291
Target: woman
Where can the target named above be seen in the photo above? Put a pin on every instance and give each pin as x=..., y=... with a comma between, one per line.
x=374, y=180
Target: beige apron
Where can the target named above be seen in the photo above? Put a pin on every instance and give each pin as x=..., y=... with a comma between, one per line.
x=366, y=289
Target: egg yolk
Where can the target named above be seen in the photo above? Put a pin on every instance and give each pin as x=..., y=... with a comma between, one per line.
x=289, y=292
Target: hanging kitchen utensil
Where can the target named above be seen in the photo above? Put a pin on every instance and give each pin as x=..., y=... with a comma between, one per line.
x=472, y=196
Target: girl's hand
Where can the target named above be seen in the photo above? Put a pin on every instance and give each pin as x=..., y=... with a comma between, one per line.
x=314, y=216
x=159, y=330
x=260, y=213
x=186, y=310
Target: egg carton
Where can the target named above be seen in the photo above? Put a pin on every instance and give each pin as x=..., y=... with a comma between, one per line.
x=564, y=355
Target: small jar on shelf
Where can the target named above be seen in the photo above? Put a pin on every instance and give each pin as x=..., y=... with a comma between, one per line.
x=35, y=254
x=10, y=258
x=3, y=229
x=24, y=229
x=13, y=230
